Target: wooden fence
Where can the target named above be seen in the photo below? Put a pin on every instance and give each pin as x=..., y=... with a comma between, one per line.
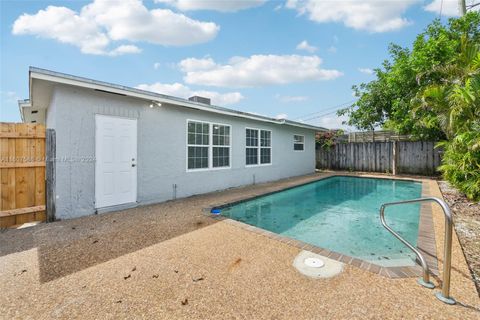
x=410, y=157
x=373, y=136
x=22, y=173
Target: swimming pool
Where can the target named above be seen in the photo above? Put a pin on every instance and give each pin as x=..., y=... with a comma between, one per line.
x=340, y=214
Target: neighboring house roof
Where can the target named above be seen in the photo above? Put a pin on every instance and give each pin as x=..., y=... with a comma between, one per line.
x=62, y=78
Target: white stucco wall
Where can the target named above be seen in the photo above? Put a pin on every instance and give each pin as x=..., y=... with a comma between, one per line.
x=161, y=150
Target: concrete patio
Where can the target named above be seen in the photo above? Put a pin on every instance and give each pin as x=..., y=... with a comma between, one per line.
x=173, y=261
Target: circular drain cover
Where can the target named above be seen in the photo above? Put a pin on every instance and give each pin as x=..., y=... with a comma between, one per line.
x=314, y=262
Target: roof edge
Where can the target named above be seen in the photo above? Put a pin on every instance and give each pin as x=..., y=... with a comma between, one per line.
x=23, y=103
x=49, y=75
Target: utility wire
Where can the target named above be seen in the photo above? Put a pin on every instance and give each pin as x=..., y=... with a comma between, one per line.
x=336, y=107
x=473, y=5
x=322, y=115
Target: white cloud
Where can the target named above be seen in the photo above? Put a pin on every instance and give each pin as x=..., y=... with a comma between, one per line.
x=281, y=116
x=286, y=99
x=366, y=70
x=194, y=64
x=370, y=15
x=124, y=49
x=101, y=22
x=334, y=122
x=332, y=49
x=63, y=25
x=131, y=20
x=156, y=65
x=304, y=45
x=215, y=5
x=10, y=96
x=182, y=91
x=256, y=70
x=449, y=8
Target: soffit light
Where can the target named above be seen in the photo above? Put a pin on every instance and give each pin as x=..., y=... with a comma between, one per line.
x=155, y=104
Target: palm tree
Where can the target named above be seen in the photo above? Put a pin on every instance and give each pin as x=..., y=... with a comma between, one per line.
x=455, y=101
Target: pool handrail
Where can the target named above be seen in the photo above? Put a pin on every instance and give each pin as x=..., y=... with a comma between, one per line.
x=444, y=295
x=425, y=280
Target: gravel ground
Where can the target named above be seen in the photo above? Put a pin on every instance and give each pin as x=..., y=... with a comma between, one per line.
x=467, y=224
x=171, y=261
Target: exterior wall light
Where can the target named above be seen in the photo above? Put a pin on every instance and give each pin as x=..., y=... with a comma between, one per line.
x=155, y=103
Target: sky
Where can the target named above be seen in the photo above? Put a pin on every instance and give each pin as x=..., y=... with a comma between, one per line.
x=295, y=59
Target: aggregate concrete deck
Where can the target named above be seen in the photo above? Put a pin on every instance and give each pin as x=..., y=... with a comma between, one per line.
x=171, y=261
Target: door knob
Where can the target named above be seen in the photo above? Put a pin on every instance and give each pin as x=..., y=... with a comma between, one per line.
x=134, y=165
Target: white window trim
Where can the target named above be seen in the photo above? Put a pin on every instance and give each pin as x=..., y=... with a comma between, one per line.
x=210, y=146
x=303, y=143
x=258, y=148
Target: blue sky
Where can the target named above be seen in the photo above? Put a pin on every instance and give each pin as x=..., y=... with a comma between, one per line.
x=295, y=59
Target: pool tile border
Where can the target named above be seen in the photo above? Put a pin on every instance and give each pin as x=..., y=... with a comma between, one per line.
x=425, y=242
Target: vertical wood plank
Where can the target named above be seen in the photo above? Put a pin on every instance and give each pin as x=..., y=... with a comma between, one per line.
x=39, y=188
x=39, y=155
x=394, y=158
x=24, y=177
x=51, y=174
x=7, y=192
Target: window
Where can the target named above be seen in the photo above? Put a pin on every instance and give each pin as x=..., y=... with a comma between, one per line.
x=221, y=146
x=265, y=147
x=198, y=144
x=208, y=145
x=298, y=142
x=258, y=147
x=252, y=147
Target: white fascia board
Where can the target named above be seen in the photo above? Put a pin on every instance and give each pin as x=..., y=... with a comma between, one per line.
x=22, y=104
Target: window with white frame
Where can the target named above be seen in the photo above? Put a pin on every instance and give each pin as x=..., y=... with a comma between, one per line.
x=221, y=146
x=252, y=146
x=265, y=147
x=208, y=145
x=198, y=144
x=298, y=142
x=258, y=147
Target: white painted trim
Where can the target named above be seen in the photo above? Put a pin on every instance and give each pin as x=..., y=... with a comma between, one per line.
x=210, y=146
x=22, y=105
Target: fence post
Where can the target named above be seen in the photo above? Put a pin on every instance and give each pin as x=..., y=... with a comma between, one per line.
x=50, y=173
x=394, y=157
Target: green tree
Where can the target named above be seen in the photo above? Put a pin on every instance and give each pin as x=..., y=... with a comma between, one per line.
x=386, y=101
x=456, y=102
x=432, y=92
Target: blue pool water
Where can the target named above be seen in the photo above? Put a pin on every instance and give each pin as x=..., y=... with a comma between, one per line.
x=340, y=214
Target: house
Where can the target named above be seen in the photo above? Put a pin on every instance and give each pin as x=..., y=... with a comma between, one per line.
x=118, y=147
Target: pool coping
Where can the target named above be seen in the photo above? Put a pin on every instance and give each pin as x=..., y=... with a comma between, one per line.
x=425, y=241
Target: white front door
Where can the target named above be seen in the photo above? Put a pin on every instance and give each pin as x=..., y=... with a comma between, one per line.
x=116, y=161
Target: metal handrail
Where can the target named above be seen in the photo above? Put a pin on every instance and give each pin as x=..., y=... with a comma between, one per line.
x=425, y=280
x=444, y=295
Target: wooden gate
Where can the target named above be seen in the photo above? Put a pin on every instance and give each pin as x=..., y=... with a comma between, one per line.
x=22, y=173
